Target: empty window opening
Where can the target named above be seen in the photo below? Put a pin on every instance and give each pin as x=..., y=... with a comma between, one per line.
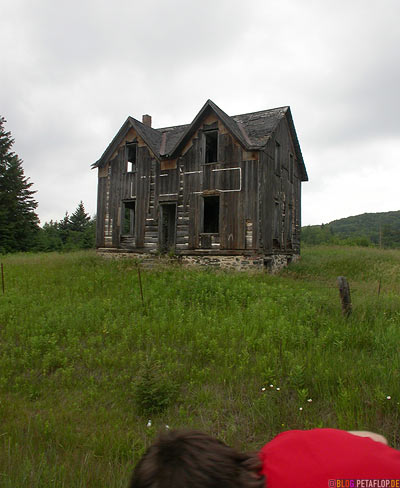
x=277, y=160
x=168, y=227
x=131, y=150
x=211, y=215
x=211, y=149
x=128, y=221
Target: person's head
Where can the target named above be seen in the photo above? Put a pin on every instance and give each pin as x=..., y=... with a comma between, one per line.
x=190, y=459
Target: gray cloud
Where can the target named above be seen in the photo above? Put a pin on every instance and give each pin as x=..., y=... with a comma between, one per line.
x=71, y=72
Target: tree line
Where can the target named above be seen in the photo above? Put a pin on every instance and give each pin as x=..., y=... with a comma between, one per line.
x=19, y=223
x=369, y=229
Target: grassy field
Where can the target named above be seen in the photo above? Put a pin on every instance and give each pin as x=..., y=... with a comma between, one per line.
x=85, y=365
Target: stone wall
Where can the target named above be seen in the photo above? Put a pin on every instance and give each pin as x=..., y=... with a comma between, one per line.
x=271, y=264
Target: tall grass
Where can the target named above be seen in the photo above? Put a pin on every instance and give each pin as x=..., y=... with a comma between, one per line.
x=85, y=365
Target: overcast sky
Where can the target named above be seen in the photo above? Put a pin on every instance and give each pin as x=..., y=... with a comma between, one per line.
x=72, y=71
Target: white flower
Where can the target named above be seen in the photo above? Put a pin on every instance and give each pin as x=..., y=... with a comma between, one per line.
x=167, y=426
x=388, y=397
x=309, y=400
x=149, y=423
x=271, y=386
x=301, y=408
x=263, y=388
x=277, y=389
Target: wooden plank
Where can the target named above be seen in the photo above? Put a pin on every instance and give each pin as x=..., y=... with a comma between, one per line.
x=100, y=216
x=143, y=193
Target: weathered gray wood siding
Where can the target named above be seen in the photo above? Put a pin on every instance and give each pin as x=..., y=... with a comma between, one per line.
x=280, y=197
x=143, y=178
x=120, y=186
x=101, y=209
x=259, y=208
x=234, y=180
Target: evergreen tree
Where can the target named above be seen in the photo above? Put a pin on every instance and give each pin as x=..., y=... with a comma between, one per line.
x=49, y=238
x=64, y=228
x=79, y=220
x=18, y=220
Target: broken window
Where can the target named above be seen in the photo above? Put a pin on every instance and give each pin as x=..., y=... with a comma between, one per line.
x=277, y=159
x=168, y=227
x=128, y=218
x=131, y=150
x=211, y=146
x=211, y=215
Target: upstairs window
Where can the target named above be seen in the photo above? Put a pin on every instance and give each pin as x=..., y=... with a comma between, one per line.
x=131, y=152
x=211, y=215
x=211, y=146
x=277, y=159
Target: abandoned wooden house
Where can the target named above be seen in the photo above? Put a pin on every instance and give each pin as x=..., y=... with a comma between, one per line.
x=222, y=190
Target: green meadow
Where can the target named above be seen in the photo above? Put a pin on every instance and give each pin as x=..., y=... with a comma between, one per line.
x=85, y=364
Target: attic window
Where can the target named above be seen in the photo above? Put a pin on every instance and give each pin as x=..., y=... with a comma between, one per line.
x=211, y=215
x=131, y=150
x=211, y=146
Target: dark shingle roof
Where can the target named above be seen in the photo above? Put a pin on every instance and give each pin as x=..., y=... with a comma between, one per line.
x=260, y=125
x=252, y=130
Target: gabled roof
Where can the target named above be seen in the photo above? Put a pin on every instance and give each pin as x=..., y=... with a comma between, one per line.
x=251, y=130
x=151, y=137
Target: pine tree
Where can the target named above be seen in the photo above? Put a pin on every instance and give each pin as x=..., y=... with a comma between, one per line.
x=18, y=220
x=64, y=228
x=79, y=220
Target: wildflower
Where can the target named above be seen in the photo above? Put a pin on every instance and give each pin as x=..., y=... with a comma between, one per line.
x=277, y=389
x=263, y=388
x=271, y=386
x=301, y=408
x=388, y=397
x=149, y=423
x=309, y=400
x=167, y=426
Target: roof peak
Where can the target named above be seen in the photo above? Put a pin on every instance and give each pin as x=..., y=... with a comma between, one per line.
x=252, y=130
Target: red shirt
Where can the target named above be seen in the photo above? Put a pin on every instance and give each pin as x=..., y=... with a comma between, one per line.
x=311, y=458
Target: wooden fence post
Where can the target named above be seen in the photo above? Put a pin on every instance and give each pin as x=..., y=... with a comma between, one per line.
x=140, y=283
x=344, y=291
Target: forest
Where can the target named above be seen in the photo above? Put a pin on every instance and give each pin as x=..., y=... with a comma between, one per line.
x=381, y=229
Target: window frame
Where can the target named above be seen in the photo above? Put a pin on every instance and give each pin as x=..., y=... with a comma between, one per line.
x=131, y=166
x=208, y=226
x=131, y=206
x=207, y=135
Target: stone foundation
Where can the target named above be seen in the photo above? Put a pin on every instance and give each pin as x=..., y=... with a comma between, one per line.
x=271, y=264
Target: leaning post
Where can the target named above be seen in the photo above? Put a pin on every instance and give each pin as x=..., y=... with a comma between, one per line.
x=140, y=283
x=345, y=298
x=2, y=277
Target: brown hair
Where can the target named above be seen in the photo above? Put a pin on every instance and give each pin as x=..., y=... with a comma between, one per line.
x=183, y=459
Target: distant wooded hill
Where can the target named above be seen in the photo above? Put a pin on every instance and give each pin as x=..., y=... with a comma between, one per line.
x=369, y=229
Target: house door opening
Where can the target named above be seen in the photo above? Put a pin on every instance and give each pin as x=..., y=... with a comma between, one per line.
x=168, y=227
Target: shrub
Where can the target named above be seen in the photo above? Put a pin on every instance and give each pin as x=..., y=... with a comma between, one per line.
x=154, y=391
